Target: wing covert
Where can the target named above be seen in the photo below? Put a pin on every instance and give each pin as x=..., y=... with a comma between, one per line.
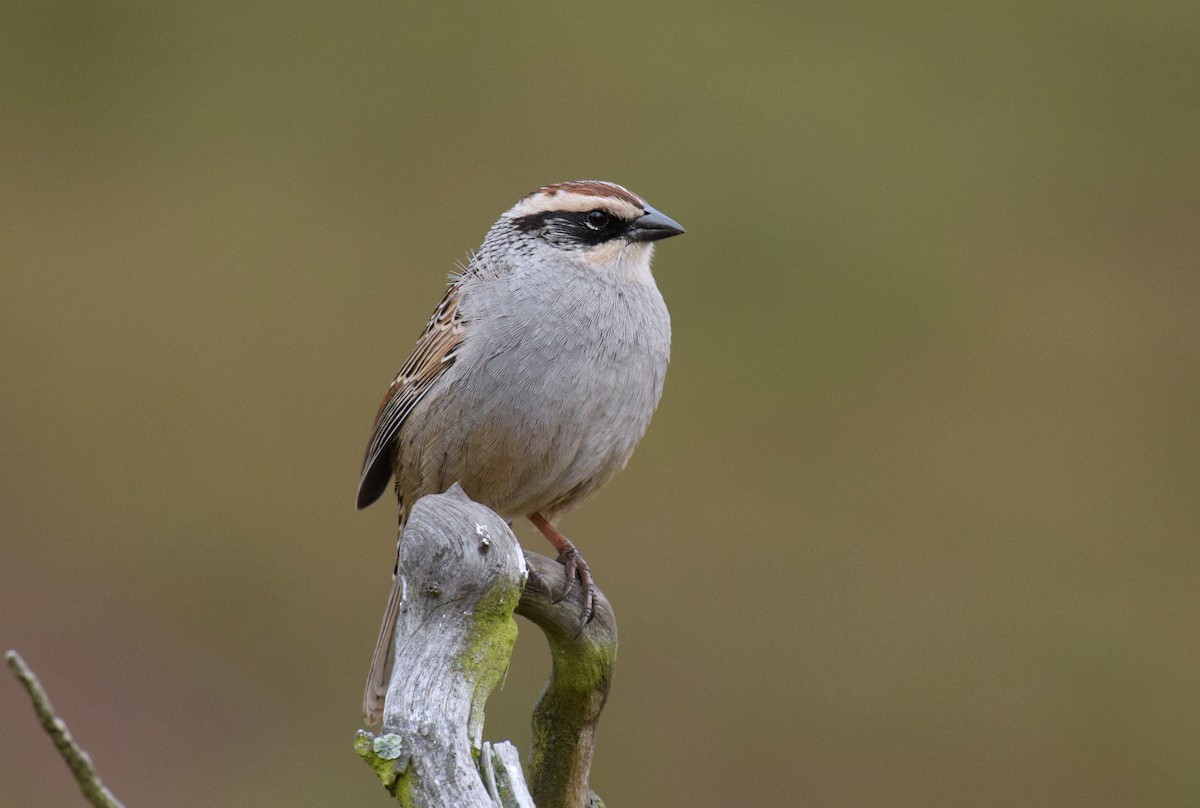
x=432, y=355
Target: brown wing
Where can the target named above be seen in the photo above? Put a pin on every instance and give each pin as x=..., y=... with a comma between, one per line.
x=433, y=353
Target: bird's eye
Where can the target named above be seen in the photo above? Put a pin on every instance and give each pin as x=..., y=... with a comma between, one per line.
x=597, y=219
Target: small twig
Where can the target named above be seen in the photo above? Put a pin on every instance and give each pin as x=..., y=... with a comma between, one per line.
x=77, y=760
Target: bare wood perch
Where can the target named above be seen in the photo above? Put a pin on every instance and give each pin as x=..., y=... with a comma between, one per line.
x=566, y=714
x=463, y=574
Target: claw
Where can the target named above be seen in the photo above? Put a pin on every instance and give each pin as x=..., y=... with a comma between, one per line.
x=570, y=560
x=574, y=565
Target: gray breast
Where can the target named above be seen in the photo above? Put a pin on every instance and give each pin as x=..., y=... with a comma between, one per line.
x=550, y=393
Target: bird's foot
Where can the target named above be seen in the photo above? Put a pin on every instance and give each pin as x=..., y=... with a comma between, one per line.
x=570, y=558
x=575, y=565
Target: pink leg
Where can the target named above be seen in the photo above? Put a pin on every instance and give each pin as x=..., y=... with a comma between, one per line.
x=570, y=558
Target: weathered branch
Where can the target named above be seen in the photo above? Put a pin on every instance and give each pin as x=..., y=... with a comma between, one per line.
x=79, y=762
x=462, y=573
x=463, y=576
x=565, y=716
x=502, y=775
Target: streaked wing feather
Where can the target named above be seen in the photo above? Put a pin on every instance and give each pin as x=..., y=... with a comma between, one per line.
x=432, y=355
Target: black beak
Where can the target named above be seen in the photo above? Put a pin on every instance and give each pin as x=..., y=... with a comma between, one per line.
x=652, y=227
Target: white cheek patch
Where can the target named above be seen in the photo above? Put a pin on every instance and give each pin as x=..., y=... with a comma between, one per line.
x=620, y=259
x=604, y=254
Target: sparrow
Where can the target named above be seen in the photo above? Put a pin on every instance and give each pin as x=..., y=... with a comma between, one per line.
x=535, y=378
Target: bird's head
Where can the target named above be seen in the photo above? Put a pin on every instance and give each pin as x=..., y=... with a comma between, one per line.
x=595, y=224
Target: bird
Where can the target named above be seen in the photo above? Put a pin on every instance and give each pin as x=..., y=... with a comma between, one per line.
x=535, y=378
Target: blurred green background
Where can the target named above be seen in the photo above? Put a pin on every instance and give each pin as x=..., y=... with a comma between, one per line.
x=915, y=525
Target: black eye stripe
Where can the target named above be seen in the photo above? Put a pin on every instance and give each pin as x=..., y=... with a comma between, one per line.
x=573, y=227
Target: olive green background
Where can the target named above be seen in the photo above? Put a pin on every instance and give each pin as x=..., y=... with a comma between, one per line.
x=915, y=524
